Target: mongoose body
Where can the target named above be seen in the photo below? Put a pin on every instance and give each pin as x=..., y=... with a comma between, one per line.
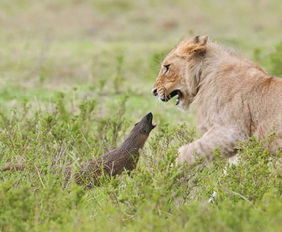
x=125, y=157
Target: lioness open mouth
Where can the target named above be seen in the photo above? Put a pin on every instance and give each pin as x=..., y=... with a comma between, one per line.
x=174, y=93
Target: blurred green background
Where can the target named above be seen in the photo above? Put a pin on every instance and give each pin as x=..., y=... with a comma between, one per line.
x=73, y=40
x=116, y=46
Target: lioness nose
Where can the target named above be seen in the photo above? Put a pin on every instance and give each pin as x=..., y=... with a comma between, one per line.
x=155, y=92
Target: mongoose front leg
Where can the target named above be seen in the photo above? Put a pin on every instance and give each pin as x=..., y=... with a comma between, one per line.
x=218, y=137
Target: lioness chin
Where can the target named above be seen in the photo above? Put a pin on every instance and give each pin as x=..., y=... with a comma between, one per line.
x=232, y=97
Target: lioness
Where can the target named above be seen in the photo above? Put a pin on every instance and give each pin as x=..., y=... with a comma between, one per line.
x=233, y=98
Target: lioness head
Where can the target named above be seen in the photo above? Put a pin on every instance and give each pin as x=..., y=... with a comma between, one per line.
x=180, y=71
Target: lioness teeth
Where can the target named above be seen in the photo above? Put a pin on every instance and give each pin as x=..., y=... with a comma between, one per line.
x=174, y=93
x=177, y=101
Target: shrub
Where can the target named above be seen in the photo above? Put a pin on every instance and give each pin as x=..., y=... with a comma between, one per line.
x=276, y=61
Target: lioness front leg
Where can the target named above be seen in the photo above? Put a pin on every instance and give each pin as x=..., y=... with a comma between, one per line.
x=218, y=137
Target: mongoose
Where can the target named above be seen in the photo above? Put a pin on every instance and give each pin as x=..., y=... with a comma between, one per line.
x=125, y=157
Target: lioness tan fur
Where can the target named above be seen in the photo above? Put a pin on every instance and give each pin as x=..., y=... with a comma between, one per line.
x=232, y=97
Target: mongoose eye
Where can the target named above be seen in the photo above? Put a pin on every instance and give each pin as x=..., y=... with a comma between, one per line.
x=144, y=131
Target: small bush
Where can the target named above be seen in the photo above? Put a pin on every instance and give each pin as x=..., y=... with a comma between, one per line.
x=276, y=61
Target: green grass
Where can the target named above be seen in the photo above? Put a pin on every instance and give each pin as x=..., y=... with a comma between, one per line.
x=76, y=76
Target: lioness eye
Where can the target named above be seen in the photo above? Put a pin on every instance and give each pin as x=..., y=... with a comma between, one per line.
x=166, y=68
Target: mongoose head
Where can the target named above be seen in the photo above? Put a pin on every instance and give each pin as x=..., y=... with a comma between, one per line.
x=145, y=126
x=140, y=133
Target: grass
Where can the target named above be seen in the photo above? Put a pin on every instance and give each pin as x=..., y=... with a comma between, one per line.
x=76, y=76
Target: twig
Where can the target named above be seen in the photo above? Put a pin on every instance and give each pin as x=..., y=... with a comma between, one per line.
x=238, y=194
x=39, y=176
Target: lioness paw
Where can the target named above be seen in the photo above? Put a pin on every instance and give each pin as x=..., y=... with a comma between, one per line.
x=185, y=156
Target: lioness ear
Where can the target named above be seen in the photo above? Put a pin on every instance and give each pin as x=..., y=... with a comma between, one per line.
x=196, y=46
x=199, y=46
x=201, y=40
x=196, y=39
